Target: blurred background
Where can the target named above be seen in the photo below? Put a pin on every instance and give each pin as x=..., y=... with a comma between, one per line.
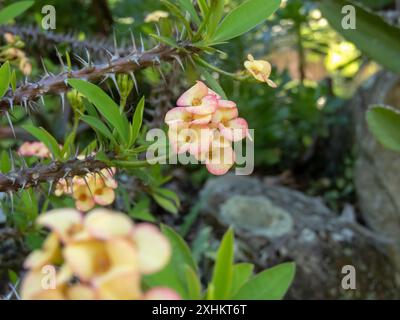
x=324, y=192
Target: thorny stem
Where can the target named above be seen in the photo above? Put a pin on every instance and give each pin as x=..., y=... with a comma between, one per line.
x=57, y=84
x=53, y=172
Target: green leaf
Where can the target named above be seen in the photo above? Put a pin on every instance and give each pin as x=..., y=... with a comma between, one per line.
x=5, y=163
x=372, y=35
x=137, y=121
x=166, y=40
x=384, y=123
x=193, y=284
x=14, y=10
x=4, y=78
x=173, y=275
x=213, y=83
x=141, y=211
x=271, y=284
x=188, y=6
x=216, y=13
x=241, y=274
x=42, y=135
x=223, y=269
x=244, y=18
x=105, y=105
x=165, y=203
x=99, y=126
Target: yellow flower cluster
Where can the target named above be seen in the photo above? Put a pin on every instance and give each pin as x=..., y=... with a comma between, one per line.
x=13, y=53
x=101, y=255
x=96, y=188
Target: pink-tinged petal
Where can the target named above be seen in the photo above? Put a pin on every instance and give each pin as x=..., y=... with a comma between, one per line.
x=178, y=138
x=220, y=160
x=226, y=104
x=213, y=93
x=118, y=284
x=85, y=205
x=200, y=139
x=153, y=248
x=224, y=114
x=62, y=221
x=104, y=196
x=86, y=259
x=207, y=105
x=201, y=119
x=178, y=114
x=106, y=224
x=234, y=130
x=219, y=141
x=160, y=293
x=108, y=176
x=193, y=95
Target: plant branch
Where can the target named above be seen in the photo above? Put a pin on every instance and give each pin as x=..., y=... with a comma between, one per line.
x=57, y=84
x=53, y=172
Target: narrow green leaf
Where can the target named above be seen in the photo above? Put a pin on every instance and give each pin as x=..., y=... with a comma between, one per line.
x=5, y=163
x=188, y=6
x=173, y=275
x=271, y=284
x=105, y=105
x=213, y=83
x=216, y=13
x=203, y=7
x=384, y=123
x=241, y=274
x=372, y=35
x=14, y=10
x=13, y=81
x=4, y=78
x=42, y=135
x=223, y=269
x=99, y=126
x=168, y=41
x=193, y=284
x=165, y=203
x=169, y=194
x=137, y=121
x=244, y=18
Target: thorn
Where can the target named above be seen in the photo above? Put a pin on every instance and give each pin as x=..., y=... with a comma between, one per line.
x=178, y=59
x=60, y=58
x=134, y=81
x=62, y=96
x=133, y=40
x=10, y=194
x=44, y=68
x=88, y=58
x=10, y=123
x=115, y=43
x=12, y=161
x=114, y=79
x=142, y=49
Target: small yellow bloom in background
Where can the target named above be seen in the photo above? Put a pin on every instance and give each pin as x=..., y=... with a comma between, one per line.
x=260, y=69
x=37, y=149
x=99, y=256
x=155, y=16
x=90, y=190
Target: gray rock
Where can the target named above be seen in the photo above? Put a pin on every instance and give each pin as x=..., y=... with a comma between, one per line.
x=377, y=169
x=274, y=224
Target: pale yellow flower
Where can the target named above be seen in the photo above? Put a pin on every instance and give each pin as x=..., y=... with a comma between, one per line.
x=260, y=70
x=102, y=255
x=155, y=16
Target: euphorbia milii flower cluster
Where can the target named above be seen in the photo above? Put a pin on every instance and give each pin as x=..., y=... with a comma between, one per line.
x=94, y=188
x=101, y=255
x=205, y=125
x=34, y=149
